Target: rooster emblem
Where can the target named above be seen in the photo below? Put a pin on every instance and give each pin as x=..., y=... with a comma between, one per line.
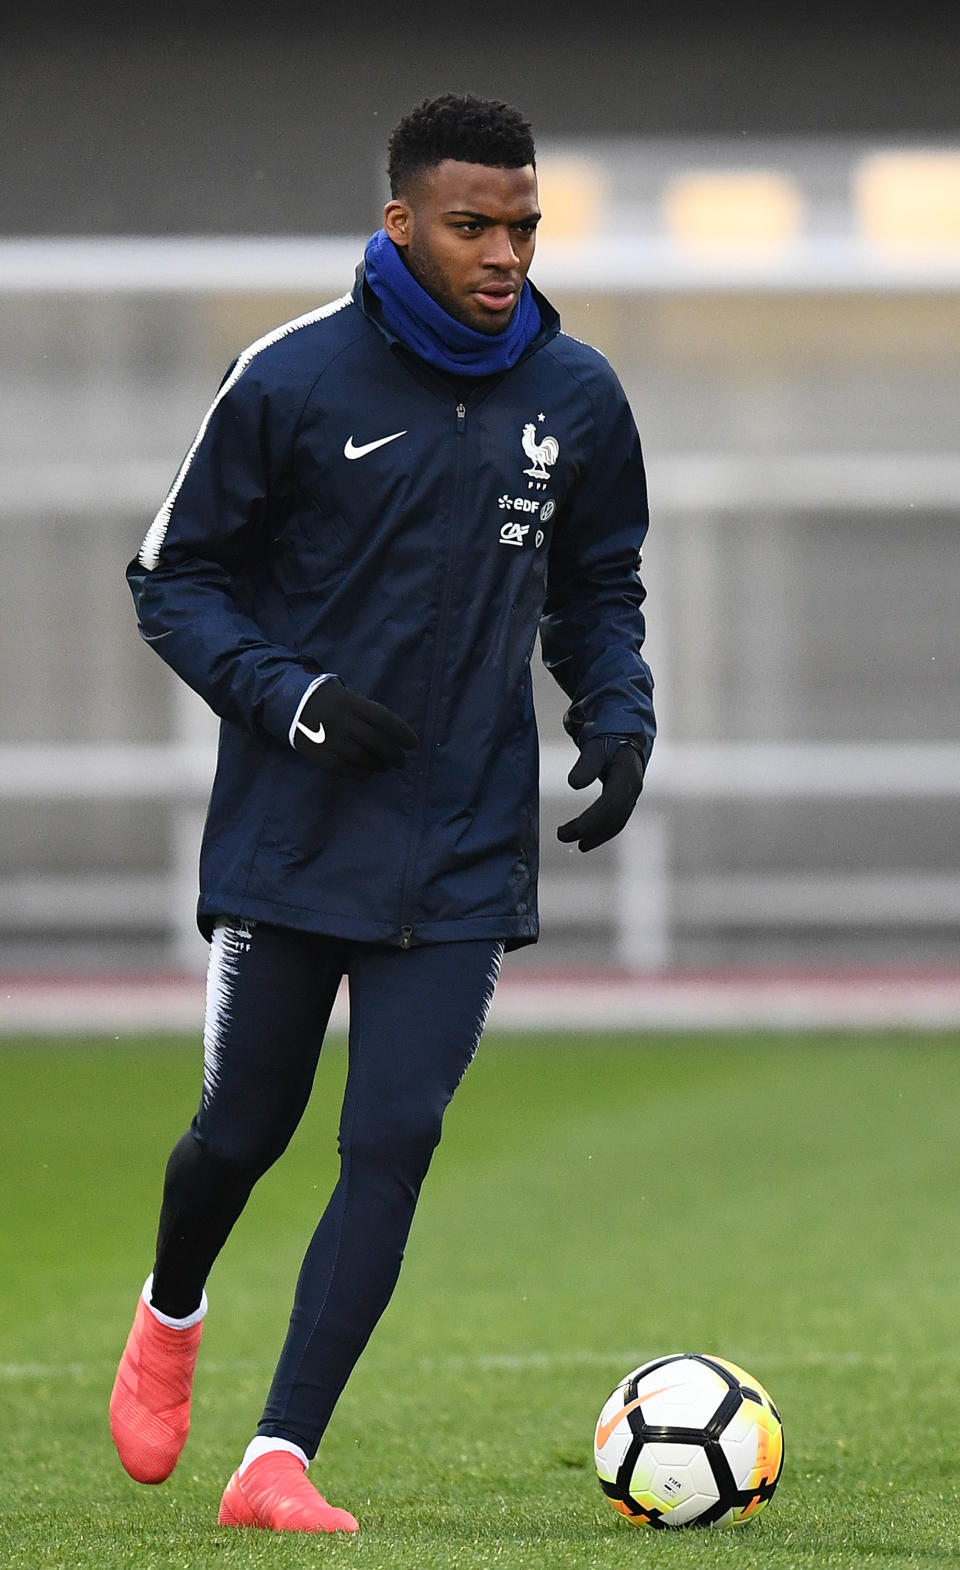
x=542, y=452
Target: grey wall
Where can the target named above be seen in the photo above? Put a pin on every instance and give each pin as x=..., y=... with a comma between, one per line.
x=770, y=623
x=264, y=118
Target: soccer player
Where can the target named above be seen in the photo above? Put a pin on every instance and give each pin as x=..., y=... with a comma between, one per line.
x=385, y=501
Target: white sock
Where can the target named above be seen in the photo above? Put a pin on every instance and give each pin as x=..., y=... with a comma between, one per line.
x=166, y=1319
x=263, y=1444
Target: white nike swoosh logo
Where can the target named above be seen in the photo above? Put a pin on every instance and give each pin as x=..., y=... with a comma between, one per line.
x=350, y=451
x=319, y=735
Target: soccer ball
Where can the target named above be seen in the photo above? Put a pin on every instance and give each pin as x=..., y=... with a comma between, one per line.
x=689, y=1440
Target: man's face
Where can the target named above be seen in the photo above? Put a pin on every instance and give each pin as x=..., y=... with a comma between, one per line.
x=468, y=232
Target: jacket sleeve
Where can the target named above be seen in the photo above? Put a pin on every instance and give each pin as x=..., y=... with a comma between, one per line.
x=189, y=579
x=592, y=628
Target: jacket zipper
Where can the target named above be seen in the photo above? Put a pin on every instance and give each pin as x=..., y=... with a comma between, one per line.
x=433, y=694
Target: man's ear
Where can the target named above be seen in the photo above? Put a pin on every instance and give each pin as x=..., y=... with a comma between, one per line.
x=398, y=222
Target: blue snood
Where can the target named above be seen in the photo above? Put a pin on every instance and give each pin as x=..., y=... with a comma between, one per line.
x=430, y=331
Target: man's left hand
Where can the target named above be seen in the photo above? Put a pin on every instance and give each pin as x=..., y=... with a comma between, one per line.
x=619, y=767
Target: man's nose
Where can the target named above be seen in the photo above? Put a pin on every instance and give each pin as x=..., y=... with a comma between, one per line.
x=500, y=251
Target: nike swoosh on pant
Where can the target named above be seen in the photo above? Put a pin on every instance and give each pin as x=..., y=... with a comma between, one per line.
x=350, y=451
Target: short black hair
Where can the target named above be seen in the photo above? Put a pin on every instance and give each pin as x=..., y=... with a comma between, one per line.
x=462, y=126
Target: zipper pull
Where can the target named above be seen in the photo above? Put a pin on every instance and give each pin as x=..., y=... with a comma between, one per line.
x=406, y=937
x=461, y=418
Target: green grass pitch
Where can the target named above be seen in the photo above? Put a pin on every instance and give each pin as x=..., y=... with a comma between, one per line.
x=790, y=1203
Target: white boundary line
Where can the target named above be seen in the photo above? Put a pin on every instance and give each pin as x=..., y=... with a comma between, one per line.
x=524, y=1362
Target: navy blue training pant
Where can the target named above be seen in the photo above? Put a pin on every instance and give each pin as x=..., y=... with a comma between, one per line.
x=416, y=1017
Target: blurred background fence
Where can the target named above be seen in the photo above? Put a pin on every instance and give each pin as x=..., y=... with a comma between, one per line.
x=784, y=313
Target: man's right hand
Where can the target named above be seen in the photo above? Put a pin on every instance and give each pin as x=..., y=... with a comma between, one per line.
x=350, y=735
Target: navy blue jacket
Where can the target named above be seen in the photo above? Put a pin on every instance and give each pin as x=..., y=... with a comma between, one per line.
x=346, y=509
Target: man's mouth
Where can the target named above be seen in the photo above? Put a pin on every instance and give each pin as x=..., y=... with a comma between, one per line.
x=496, y=296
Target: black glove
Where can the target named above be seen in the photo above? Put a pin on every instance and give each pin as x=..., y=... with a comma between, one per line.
x=350, y=735
x=618, y=763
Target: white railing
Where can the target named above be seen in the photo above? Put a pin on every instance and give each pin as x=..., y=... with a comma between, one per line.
x=646, y=896
x=683, y=482
x=239, y=264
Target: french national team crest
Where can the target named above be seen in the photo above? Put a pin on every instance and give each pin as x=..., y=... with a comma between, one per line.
x=543, y=452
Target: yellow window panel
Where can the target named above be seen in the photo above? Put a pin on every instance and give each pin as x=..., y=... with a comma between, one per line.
x=573, y=197
x=909, y=200
x=742, y=209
